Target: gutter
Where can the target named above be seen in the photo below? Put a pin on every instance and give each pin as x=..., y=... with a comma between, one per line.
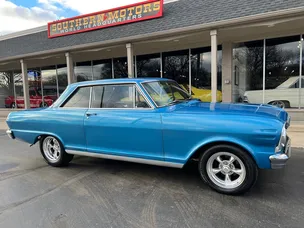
x=208, y=26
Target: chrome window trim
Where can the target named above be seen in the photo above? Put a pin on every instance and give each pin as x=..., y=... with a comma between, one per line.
x=90, y=101
x=119, y=84
x=127, y=159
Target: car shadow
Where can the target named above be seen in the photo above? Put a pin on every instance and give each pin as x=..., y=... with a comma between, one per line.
x=268, y=183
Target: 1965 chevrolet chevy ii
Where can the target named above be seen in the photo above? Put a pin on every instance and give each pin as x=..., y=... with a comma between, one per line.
x=154, y=121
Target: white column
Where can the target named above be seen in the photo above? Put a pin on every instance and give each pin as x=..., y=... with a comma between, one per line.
x=70, y=68
x=130, y=57
x=213, y=35
x=26, y=94
x=227, y=64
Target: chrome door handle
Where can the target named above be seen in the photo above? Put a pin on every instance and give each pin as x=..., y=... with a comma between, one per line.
x=91, y=114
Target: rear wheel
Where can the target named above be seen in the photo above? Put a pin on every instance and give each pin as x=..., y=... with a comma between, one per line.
x=228, y=169
x=280, y=104
x=44, y=105
x=53, y=152
x=13, y=105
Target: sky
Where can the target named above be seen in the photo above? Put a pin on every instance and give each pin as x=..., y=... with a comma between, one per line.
x=17, y=15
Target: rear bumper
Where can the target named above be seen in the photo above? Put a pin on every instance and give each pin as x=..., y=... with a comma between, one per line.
x=10, y=134
x=278, y=161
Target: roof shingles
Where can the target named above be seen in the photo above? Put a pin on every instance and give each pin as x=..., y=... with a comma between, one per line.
x=182, y=13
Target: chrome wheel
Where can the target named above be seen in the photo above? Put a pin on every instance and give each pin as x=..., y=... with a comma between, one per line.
x=51, y=149
x=279, y=104
x=226, y=170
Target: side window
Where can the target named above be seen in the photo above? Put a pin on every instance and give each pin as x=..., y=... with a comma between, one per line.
x=117, y=96
x=80, y=99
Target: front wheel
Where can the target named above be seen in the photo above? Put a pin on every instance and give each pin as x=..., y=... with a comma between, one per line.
x=53, y=152
x=228, y=169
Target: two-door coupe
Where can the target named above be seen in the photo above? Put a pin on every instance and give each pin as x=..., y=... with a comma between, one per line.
x=155, y=121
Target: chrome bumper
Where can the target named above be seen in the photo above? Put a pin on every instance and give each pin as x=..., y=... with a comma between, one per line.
x=10, y=134
x=278, y=161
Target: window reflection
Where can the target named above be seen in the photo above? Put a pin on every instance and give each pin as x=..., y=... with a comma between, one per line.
x=83, y=71
x=120, y=68
x=102, y=69
x=201, y=74
x=49, y=85
x=176, y=66
x=62, y=78
x=282, y=71
x=148, y=65
x=18, y=88
x=7, y=90
x=248, y=72
x=34, y=79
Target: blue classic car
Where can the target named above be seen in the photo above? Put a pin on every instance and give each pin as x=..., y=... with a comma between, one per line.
x=156, y=122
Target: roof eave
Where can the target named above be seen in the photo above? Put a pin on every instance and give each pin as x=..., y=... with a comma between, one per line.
x=208, y=26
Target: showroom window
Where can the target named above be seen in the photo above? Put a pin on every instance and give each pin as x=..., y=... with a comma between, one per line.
x=248, y=71
x=176, y=66
x=148, y=65
x=282, y=71
x=35, y=91
x=83, y=71
x=62, y=75
x=120, y=67
x=102, y=69
x=18, y=88
x=201, y=73
x=49, y=85
x=280, y=75
x=7, y=90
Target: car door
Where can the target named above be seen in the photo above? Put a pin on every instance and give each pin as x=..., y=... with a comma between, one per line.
x=121, y=122
x=68, y=119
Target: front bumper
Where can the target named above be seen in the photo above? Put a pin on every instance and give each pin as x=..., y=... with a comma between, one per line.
x=278, y=161
x=10, y=134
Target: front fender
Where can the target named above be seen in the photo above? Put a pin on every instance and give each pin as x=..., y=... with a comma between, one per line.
x=260, y=155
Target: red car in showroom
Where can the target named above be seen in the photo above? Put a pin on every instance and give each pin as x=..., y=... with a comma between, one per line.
x=36, y=100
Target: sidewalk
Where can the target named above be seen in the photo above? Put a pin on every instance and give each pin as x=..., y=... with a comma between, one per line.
x=295, y=132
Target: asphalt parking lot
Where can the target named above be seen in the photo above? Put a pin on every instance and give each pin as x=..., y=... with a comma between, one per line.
x=103, y=193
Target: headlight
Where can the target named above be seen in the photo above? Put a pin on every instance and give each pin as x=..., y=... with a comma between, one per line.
x=282, y=142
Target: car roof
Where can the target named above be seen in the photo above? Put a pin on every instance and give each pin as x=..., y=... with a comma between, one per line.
x=120, y=80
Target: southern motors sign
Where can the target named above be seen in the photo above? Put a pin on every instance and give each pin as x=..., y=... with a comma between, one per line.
x=124, y=15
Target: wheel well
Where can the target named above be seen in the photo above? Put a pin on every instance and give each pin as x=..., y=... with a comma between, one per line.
x=196, y=155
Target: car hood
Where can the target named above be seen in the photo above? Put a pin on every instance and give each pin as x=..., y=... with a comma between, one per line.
x=197, y=107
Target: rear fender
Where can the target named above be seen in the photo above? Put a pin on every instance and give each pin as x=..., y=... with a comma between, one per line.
x=32, y=137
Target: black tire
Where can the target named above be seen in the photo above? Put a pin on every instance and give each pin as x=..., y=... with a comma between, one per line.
x=251, y=174
x=44, y=105
x=13, y=105
x=280, y=104
x=63, y=159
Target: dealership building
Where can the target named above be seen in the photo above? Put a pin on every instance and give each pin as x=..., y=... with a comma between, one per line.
x=247, y=51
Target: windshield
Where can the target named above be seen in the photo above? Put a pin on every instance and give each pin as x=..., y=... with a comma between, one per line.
x=166, y=92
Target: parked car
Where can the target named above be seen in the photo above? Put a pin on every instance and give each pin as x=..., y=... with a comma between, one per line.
x=156, y=122
x=202, y=94
x=36, y=100
x=285, y=95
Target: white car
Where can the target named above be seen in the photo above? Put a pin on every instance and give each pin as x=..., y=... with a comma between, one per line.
x=285, y=95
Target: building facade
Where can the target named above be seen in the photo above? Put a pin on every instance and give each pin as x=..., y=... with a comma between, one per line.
x=230, y=51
